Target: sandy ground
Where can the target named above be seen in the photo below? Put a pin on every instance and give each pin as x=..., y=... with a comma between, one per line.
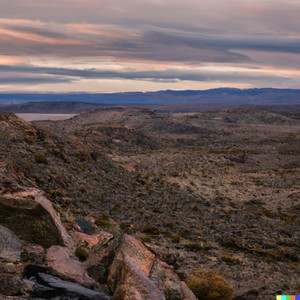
x=53, y=117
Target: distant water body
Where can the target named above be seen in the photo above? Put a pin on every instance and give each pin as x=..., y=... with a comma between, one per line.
x=43, y=117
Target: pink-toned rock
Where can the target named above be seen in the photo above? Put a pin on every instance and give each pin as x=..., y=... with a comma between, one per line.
x=42, y=200
x=59, y=259
x=101, y=256
x=29, y=220
x=136, y=274
x=28, y=192
x=38, y=222
x=91, y=240
x=134, y=284
x=130, y=282
x=130, y=270
x=168, y=282
x=134, y=249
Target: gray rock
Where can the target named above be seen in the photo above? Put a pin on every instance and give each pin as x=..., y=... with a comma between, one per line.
x=10, y=247
x=72, y=287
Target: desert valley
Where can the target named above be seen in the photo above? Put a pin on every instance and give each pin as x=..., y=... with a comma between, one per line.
x=213, y=194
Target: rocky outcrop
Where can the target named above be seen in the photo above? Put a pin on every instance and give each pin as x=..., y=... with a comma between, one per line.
x=47, y=205
x=60, y=260
x=32, y=218
x=168, y=281
x=102, y=249
x=90, y=241
x=37, y=257
x=136, y=274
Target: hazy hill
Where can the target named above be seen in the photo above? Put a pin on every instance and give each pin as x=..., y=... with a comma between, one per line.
x=50, y=107
x=221, y=95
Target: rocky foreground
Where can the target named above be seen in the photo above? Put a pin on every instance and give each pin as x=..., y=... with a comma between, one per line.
x=40, y=258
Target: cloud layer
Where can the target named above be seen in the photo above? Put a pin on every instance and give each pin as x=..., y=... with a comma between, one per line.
x=64, y=45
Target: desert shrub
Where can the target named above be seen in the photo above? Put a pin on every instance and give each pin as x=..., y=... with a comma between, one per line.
x=103, y=221
x=209, y=286
x=41, y=158
x=258, y=182
x=54, y=194
x=193, y=246
x=94, y=156
x=184, y=233
x=253, y=292
x=146, y=238
x=169, y=223
x=57, y=208
x=175, y=238
x=81, y=253
x=230, y=261
x=83, y=156
x=151, y=230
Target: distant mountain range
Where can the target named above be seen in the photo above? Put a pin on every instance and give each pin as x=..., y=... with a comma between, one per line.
x=264, y=96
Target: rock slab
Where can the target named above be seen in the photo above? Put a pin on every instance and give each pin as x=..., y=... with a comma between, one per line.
x=10, y=247
x=60, y=260
x=137, y=274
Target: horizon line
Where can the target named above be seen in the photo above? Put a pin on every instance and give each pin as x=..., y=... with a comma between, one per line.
x=145, y=92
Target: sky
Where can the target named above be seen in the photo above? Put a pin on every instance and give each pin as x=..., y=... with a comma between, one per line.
x=148, y=45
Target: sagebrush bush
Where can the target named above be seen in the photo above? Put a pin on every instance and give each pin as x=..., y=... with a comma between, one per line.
x=152, y=230
x=41, y=158
x=81, y=253
x=209, y=286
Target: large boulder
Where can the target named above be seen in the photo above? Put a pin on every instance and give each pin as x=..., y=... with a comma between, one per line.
x=102, y=248
x=60, y=260
x=32, y=218
x=137, y=274
x=47, y=205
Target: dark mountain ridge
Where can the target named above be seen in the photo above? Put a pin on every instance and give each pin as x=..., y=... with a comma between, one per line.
x=257, y=96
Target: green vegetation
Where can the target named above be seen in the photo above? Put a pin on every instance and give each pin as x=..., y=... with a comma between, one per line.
x=81, y=253
x=40, y=158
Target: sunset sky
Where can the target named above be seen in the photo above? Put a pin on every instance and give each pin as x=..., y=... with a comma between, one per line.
x=147, y=45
